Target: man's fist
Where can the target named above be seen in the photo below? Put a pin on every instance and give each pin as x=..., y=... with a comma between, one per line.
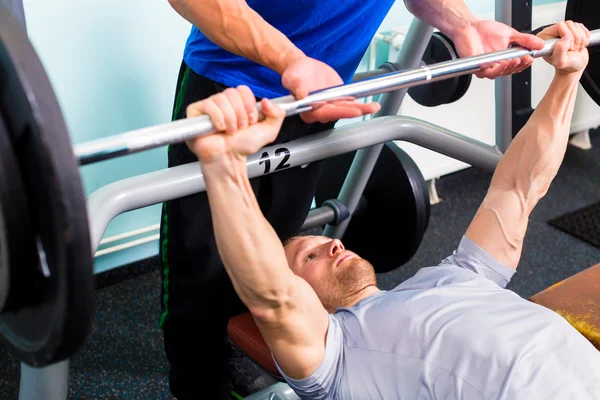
x=570, y=53
x=234, y=114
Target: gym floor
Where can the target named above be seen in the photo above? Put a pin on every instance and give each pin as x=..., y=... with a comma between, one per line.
x=124, y=359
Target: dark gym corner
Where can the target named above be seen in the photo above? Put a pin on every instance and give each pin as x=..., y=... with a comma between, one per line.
x=123, y=358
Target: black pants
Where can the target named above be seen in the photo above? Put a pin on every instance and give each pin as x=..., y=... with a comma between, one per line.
x=197, y=295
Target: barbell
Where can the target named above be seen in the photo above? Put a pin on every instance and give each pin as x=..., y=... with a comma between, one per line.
x=46, y=259
x=182, y=130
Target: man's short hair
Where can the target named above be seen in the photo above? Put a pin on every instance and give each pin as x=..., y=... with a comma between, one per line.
x=291, y=239
x=310, y=232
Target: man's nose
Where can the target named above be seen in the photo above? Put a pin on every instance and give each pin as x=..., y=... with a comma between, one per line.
x=335, y=246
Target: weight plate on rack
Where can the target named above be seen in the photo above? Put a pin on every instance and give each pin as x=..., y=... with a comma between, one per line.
x=388, y=227
x=446, y=91
x=587, y=12
x=54, y=313
x=464, y=81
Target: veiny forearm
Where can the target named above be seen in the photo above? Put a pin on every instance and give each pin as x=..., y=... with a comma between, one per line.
x=249, y=247
x=533, y=159
x=525, y=173
x=234, y=26
x=446, y=15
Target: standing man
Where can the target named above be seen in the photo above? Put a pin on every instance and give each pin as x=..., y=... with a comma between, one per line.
x=275, y=48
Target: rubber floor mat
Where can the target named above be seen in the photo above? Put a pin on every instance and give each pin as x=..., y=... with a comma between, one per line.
x=583, y=223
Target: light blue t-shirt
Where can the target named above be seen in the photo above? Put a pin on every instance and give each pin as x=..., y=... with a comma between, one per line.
x=453, y=332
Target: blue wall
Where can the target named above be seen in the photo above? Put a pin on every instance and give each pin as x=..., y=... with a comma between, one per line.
x=113, y=65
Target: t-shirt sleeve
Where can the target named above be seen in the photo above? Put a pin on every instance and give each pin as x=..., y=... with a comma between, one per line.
x=471, y=257
x=322, y=383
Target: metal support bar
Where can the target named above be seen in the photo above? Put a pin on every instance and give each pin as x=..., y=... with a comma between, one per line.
x=503, y=88
x=410, y=56
x=156, y=187
x=48, y=383
x=318, y=217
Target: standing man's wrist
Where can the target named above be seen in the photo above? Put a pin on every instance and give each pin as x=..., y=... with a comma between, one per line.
x=287, y=58
x=463, y=28
x=462, y=31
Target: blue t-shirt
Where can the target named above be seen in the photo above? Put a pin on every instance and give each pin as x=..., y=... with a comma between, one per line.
x=453, y=332
x=335, y=32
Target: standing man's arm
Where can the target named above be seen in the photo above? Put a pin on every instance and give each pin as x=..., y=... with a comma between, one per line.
x=237, y=28
x=472, y=36
x=445, y=15
x=532, y=160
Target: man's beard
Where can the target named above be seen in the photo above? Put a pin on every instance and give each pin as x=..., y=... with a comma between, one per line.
x=349, y=280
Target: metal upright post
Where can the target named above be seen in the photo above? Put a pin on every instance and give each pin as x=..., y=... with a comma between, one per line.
x=411, y=53
x=503, y=88
x=48, y=383
x=513, y=92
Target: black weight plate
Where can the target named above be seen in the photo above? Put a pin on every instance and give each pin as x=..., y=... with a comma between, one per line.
x=587, y=12
x=464, y=81
x=20, y=255
x=441, y=92
x=388, y=230
x=56, y=318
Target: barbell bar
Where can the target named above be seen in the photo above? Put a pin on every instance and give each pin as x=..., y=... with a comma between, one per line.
x=182, y=130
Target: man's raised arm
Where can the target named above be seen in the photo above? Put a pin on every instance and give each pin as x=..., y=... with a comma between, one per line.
x=287, y=311
x=532, y=160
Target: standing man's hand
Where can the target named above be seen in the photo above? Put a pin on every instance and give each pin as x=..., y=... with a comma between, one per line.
x=472, y=36
x=305, y=75
x=481, y=37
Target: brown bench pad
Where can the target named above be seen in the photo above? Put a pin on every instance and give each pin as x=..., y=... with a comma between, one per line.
x=246, y=336
x=577, y=299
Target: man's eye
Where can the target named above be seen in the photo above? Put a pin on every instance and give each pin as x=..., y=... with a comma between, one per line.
x=309, y=257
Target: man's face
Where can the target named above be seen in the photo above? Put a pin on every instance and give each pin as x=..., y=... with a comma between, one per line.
x=334, y=273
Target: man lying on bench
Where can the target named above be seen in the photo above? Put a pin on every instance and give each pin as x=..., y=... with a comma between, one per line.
x=452, y=330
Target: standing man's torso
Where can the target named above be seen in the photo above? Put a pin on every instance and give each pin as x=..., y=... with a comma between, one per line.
x=334, y=32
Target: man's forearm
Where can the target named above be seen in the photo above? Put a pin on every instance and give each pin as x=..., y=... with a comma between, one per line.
x=234, y=26
x=525, y=173
x=448, y=16
x=249, y=247
x=534, y=157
